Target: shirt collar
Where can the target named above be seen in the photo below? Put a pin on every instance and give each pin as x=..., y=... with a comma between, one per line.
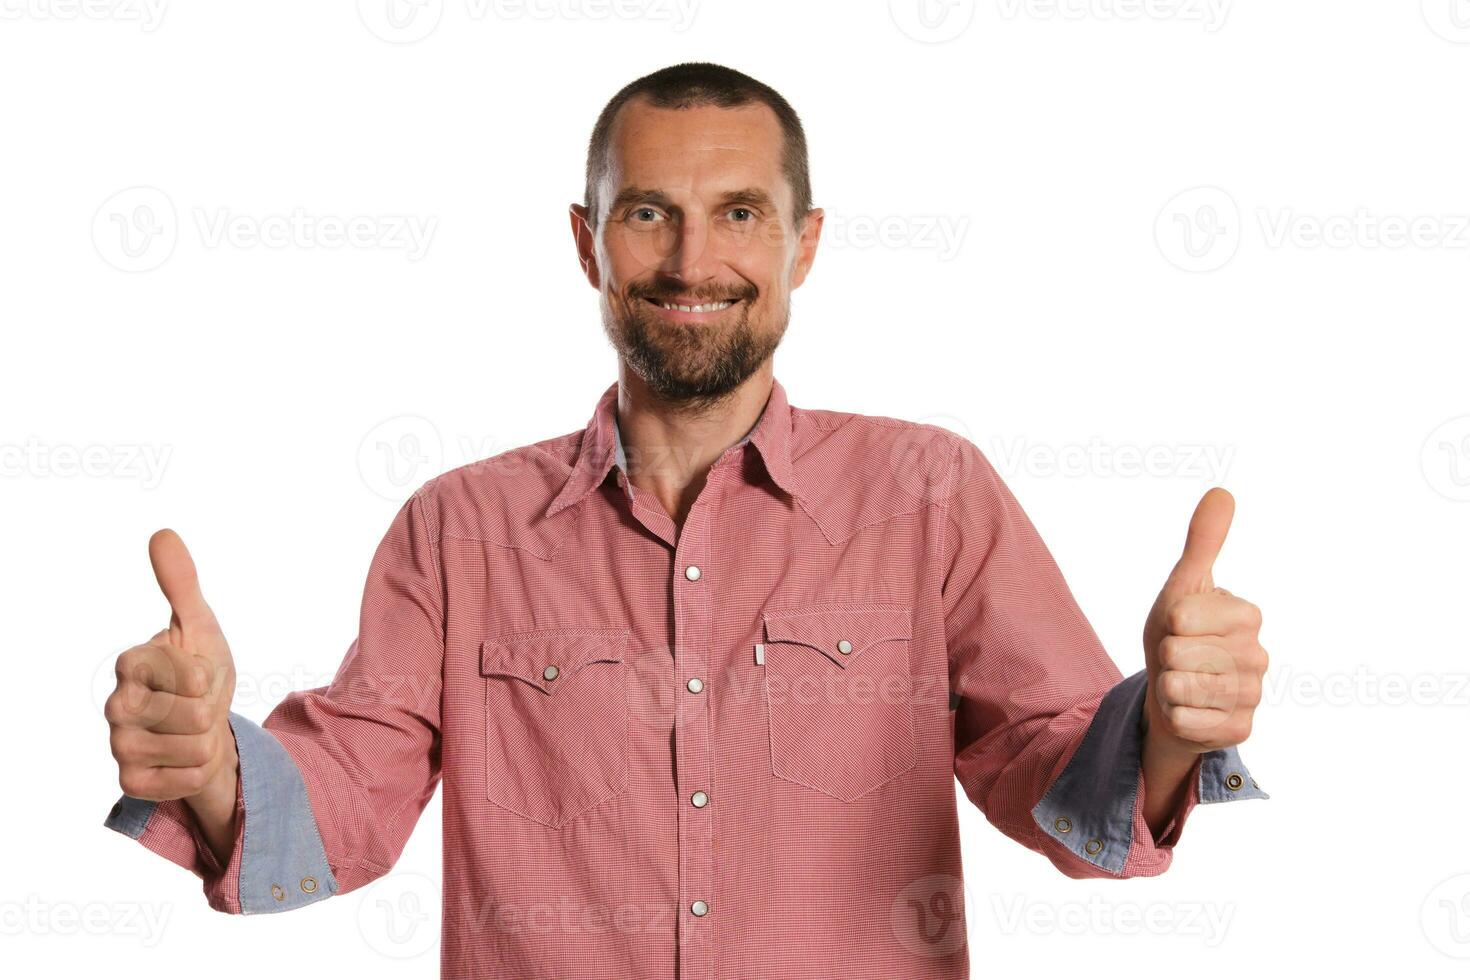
x=602, y=447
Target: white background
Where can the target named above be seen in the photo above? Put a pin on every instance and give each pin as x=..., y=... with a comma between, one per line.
x=1230, y=239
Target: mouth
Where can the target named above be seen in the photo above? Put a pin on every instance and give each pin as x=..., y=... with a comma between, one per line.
x=687, y=312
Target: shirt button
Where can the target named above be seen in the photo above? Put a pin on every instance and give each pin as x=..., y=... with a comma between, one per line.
x=550, y=673
x=844, y=646
x=695, y=685
x=700, y=798
x=692, y=572
x=1234, y=781
x=700, y=907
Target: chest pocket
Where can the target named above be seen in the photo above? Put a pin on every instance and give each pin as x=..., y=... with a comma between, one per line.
x=556, y=721
x=840, y=696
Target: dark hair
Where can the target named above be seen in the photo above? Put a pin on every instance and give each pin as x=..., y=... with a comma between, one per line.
x=692, y=84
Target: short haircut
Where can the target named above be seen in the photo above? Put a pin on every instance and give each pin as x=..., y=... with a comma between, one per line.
x=692, y=84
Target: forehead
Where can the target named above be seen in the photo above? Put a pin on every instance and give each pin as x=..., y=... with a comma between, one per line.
x=698, y=149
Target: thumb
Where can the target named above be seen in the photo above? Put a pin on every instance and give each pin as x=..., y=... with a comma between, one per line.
x=1194, y=572
x=179, y=581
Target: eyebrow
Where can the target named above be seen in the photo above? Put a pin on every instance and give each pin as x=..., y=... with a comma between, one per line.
x=745, y=195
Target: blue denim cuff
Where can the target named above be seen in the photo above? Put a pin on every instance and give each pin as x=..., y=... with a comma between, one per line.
x=283, y=864
x=1089, y=809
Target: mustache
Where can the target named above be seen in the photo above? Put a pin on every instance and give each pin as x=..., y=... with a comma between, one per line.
x=703, y=294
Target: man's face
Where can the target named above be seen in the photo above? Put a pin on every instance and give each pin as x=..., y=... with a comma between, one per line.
x=694, y=211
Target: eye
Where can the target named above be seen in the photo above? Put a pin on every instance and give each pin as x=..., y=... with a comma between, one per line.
x=645, y=215
x=749, y=214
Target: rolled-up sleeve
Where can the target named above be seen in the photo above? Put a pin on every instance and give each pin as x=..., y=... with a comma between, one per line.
x=334, y=780
x=1047, y=738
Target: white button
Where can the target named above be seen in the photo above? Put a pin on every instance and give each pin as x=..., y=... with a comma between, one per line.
x=550, y=673
x=695, y=685
x=844, y=646
x=700, y=798
x=700, y=907
x=692, y=572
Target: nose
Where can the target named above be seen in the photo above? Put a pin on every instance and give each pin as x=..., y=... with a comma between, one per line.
x=687, y=257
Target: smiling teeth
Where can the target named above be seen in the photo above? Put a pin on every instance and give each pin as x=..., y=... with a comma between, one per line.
x=702, y=308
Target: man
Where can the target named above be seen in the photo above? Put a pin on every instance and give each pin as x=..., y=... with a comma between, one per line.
x=698, y=678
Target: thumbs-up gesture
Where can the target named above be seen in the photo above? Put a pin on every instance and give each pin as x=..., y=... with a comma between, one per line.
x=169, y=715
x=1201, y=645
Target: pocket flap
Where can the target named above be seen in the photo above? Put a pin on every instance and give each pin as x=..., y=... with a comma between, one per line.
x=841, y=634
x=532, y=655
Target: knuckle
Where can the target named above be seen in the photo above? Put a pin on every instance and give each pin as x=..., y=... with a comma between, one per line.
x=1178, y=618
x=197, y=716
x=191, y=780
x=134, y=784
x=1172, y=685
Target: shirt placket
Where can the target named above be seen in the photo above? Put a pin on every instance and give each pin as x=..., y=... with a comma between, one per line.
x=693, y=734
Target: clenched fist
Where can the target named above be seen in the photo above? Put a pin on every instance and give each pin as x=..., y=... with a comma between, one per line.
x=169, y=715
x=1202, y=648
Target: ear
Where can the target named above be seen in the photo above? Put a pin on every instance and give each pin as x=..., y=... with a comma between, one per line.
x=586, y=241
x=806, y=247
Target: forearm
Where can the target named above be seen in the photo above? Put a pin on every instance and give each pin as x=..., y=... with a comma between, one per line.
x=1166, y=768
x=214, y=808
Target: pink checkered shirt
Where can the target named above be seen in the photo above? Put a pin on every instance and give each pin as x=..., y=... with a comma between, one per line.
x=722, y=749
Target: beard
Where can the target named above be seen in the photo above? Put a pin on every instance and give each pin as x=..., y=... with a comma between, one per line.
x=692, y=363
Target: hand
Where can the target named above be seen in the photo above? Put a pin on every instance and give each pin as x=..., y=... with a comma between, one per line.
x=169, y=715
x=1201, y=645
